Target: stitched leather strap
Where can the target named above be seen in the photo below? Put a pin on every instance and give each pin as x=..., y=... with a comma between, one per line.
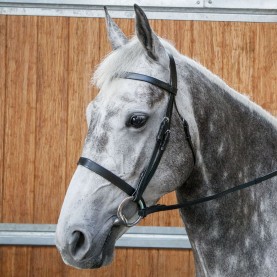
x=150, y=80
x=108, y=175
x=164, y=131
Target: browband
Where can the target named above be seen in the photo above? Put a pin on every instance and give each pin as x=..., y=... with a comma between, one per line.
x=151, y=80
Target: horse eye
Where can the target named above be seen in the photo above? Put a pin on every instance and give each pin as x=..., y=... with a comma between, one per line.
x=137, y=120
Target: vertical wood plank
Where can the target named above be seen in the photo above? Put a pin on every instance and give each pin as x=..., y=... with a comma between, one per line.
x=46, y=262
x=51, y=132
x=83, y=57
x=191, y=264
x=20, y=119
x=179, y=261
x=265, y=79
x=239, y=45
x=19, y=150
x=15, y=261
x=51, y=123
x=184, y=43
x=3, y=41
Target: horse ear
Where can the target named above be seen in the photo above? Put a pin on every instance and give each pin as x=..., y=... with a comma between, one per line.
x=147, y=37
x=115, y=35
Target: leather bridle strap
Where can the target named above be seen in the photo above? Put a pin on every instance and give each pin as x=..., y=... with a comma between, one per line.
x=108, y=175
x=164, y=131
x=158, y=208
x=160, y=146
x=150, y=80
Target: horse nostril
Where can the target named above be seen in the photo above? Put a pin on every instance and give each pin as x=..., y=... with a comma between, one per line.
x=78, y=245
x=80, y=240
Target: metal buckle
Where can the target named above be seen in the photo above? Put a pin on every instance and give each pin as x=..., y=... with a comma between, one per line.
x=121, y=219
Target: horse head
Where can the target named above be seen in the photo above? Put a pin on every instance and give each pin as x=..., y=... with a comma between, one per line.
x=123, y=123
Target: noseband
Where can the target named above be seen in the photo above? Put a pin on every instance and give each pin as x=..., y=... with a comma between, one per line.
x=162, y=138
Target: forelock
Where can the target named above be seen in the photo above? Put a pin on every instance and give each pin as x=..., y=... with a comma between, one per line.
x=118, y=62
x=121, y=60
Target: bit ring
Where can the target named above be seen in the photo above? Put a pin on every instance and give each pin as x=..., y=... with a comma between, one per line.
x=121, y=217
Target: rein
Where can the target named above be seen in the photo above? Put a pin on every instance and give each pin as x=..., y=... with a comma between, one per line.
x=162, y=138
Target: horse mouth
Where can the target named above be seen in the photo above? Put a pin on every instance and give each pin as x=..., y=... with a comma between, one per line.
x=104, y=255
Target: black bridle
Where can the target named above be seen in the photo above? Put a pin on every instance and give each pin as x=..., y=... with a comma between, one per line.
x=135, y=194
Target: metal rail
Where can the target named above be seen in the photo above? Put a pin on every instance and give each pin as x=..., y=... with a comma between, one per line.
x=204, y=10
x=136, y=237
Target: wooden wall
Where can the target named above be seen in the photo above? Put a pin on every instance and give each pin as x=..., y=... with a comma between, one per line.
x=45, y=69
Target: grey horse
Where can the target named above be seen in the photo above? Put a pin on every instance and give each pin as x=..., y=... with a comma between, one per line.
x=234, y=141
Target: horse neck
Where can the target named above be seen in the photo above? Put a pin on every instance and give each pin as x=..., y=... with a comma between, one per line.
x=236, y=142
